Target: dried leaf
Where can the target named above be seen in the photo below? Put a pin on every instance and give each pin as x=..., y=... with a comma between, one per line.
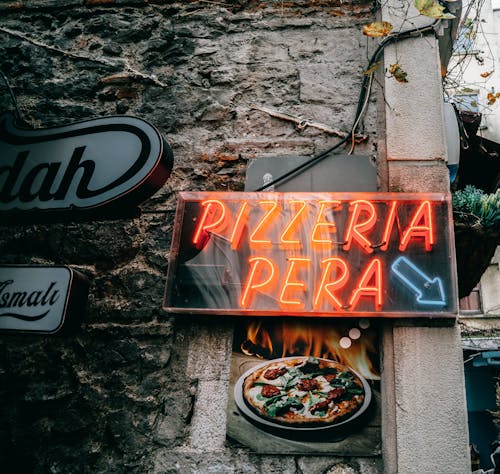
x=467, y=90
x=377, y=29
x=497, y=95
x=471, y=34
x=372, y=69
x=491, y=98
x=396, y=71
x=486, y=74
x=432, y=9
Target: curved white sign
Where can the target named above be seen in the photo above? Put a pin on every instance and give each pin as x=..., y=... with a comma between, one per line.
x=41, y=299
x=101, y=166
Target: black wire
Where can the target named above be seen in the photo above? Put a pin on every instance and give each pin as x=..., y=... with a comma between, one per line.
x=304, y=166
x=361, y=99
x=17, y=111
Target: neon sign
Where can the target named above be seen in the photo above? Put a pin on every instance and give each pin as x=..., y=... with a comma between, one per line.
x=312, y=254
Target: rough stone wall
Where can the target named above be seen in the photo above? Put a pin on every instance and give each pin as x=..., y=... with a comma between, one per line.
x=119, y=395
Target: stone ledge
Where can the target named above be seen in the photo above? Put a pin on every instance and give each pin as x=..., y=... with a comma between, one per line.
x=480, y=326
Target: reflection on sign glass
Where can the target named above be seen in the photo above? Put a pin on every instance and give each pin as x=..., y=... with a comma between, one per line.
x=316, y=254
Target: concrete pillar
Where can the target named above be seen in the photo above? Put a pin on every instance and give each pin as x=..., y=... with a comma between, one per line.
x=425, y=417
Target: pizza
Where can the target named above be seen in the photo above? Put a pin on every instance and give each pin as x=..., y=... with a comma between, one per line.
x=304, y=391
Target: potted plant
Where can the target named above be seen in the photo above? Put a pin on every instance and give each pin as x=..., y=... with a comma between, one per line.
x=477, y=234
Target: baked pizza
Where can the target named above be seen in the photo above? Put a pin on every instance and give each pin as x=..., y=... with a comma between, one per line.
x=304, y=391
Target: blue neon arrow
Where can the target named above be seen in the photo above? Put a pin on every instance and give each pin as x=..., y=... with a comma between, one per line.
x=429, y=291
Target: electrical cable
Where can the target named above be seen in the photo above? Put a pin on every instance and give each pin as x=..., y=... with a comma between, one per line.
x=361, y=107
x=360, y=116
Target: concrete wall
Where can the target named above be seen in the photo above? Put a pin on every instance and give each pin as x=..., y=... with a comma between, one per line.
x=426, y=431
x=136, y=390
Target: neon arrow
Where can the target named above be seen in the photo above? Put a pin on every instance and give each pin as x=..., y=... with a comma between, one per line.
x=429, y=291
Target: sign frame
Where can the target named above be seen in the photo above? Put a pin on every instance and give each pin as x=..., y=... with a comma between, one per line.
x=428, y=307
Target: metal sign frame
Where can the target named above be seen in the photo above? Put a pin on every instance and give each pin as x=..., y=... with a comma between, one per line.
x=313, y=255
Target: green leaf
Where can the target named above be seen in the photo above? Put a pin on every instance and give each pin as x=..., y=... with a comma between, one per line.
x=313, y=399
x=432, y=9
x=274, y=399
x=283, y=405
x=468, y=23
x=345, y=375
x=355, y=391
x=471, y=206
x=321, y=394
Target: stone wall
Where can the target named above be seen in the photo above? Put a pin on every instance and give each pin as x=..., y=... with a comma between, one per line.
x=120, y=395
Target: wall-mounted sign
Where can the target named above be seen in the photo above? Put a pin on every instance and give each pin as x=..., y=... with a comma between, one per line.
x=313, y=254
x=41, y=299
x=101, y=168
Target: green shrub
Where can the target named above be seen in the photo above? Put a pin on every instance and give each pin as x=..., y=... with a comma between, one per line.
x=473, y=207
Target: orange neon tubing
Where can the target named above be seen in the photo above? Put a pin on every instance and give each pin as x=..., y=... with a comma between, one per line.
x=285, y=240
x=424, y=212
x=254, y=272
x=315, y=240
x=297, y=284
x=354, y=228
x=213, y=226
x=263, y=224
x=373, y=271
x=327, y=289
x=239, y=226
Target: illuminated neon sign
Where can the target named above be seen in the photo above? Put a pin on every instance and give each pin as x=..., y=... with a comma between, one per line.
x=312, y=254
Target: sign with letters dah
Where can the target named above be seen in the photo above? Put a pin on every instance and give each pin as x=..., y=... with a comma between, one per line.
x=99, y=168
x=313, y=254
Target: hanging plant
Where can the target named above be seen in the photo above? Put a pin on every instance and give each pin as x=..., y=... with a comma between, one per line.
x=477, y=234
x=472, y=207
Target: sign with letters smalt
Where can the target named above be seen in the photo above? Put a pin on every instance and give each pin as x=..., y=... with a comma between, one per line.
x=41, y=299
x=99, y=168
x=313, y=254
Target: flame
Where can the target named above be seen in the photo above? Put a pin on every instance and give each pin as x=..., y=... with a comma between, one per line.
x=290, y=338
x=258, y=342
